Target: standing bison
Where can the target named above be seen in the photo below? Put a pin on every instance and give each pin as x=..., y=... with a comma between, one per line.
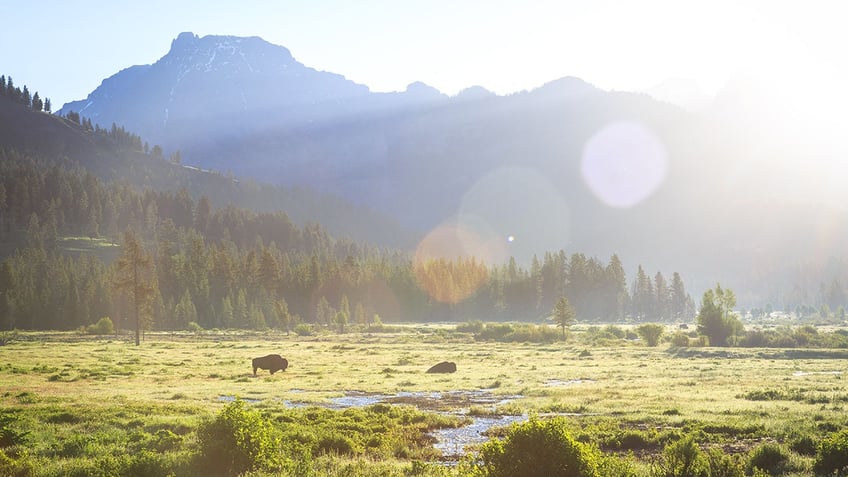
x=443, y=367
x=272, y=362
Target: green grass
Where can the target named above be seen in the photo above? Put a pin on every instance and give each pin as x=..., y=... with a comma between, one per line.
x=76, y=397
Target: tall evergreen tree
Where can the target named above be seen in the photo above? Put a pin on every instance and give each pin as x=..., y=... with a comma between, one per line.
x=643, y=295
x=563, y=315
x=678, y=298
x=662, y=307
x=26, y=97
x=615, y=289
x=134, y=276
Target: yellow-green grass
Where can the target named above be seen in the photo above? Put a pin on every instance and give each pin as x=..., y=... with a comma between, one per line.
x=626, y=381
x=735, y=397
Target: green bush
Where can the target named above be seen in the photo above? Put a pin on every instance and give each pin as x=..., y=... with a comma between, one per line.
x=769, y=457
x=495, y=331
x=7, y=337
x=473, y=327
x=9, y=433
x=538, y=447
x=650, y=333
x=803, y=445
x=832, y=456
x=16, y=465
x=103, y=326
x=336, y=444
x=680, y=340
x=303, y=329
x=238, y=440
x=615, y=331
x=682, y=459
x=723, y=465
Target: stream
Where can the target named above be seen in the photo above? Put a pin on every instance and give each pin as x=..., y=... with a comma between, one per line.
x=450, y=441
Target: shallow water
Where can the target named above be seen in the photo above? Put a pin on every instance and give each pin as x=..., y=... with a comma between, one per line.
x=567, y=382
x=452, y=442
x=810, y=373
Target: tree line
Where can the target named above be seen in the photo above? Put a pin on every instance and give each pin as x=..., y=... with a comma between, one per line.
x=23, y=95
x=231, y=267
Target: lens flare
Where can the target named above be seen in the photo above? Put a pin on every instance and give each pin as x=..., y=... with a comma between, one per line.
x=517, y=202
x=624, y=163
x=448, y=264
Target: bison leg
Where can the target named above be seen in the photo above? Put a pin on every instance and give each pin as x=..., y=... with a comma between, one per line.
x=254, y=370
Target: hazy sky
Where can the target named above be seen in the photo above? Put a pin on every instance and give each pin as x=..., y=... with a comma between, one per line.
x=65, y=48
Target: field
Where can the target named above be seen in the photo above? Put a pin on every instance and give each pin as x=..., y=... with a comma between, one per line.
x=67, y=401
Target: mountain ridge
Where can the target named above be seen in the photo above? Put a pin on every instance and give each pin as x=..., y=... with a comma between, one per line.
x=510, y=166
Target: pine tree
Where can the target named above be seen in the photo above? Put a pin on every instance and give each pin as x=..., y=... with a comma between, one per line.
x=342, y=317
x=662, y=308
x=10, y=88
x=643, y=295
x=134, y=276
x=26, y=97
x=678, y=298
x=563, y=314
x=37, y=103
x=281, y=310
x=47, y=106
x=615, y=289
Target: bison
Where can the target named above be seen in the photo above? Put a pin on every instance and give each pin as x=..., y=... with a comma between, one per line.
x=443, y=367
x=272, y=362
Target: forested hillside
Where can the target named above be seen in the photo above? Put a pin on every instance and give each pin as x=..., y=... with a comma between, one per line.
x=231, y=267
x=111, y=153
x=73, y=194
x=64, y=220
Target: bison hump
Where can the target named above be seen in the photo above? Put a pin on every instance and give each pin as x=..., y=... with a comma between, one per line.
x=443, y=367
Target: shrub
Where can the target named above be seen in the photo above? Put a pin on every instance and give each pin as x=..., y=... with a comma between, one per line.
x=337, y=444
x=769, y=457
x=303, y=329
x=16, y=465
x=238, y=440
x=682, y=459
x=679, y=340
x=832, y=456
x=538, y=447
x=615, y=331
x=723, y=465
x=651, y=333
x=103, y=326
x=9, y=435
x=194, y=327
x=474, y=327
x=803, y=445
x=495, y=331
x=7, y=337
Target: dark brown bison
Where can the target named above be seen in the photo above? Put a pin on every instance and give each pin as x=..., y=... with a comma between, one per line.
x=272, y=362
x=443, y=367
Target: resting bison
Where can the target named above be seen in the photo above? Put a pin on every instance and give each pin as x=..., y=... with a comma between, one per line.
x=272, y=362
x=443, y=367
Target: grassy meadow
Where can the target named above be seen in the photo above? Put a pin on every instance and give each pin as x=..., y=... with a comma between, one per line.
x=70, y=403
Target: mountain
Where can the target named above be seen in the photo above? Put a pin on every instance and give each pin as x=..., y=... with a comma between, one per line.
x=685, y=93
x=225, y=86
x=117, y=155
x=564, y=166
